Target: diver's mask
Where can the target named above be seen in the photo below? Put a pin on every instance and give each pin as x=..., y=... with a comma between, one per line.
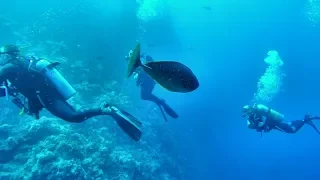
x=12, y=50
x=247, y=111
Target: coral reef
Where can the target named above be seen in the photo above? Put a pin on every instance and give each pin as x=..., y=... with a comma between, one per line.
x=49, y=148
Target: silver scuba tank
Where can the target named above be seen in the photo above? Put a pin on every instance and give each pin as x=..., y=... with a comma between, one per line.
x=269, y=113
x=54, y=76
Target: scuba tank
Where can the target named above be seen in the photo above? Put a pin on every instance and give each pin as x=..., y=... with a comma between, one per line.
x=269, y=113
x=48, y=70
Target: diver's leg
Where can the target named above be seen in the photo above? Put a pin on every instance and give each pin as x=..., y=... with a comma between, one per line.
x=309, y=118
x=34, y=107
x=291, y=127
x=129, y=124
x=146, y=92
x=295, y=126
x=65, y=111
x=147, y=95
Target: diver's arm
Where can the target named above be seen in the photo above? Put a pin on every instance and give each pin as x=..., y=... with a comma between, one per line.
x=252, y=122
x=250, y=125
x=262, y=121
x=256, y=122
x=5, y=69
x=4, y=83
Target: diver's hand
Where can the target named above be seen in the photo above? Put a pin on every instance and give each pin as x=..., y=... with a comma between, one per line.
x=114, y=109
x=267, y=129
x=261, y=124
x=106, y=109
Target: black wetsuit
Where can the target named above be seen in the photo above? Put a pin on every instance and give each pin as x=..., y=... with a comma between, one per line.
x=40, y=93
x=147, y=85
x=296, y=125
x=288, y=127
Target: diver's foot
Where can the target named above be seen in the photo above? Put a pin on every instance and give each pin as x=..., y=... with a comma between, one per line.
x=308, y=118
x=106, y=109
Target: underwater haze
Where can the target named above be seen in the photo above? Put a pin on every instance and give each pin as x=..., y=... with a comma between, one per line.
x=242, y=51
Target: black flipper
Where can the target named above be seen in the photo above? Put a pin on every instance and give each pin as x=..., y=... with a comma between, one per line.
x=164, y=116
x=308, y=117
x=308, y=120
x=313, y=125
x=169, y=110
x=315, y=118
x=128, y=123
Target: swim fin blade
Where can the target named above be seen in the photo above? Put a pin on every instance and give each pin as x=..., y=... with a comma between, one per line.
x=21, y=111
x=164, y=116
x=313, y=126
x=169, y=110
x=128, y=123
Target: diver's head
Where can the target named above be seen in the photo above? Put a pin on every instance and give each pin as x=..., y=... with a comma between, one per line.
x=12, y=50
x=247, y=110
x=8, y=53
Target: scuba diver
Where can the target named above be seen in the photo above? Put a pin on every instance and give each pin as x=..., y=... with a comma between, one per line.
x=264, y=119
x=43, y=86
x=147, y=85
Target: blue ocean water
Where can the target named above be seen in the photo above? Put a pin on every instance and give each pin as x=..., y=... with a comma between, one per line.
x=224, y=42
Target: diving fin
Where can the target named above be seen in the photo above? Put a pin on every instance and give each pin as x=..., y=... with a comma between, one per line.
x=164, y=116
x=313, y=126
x=128, y=123
x=21, y=111
x=134, y=61
x=169, y=110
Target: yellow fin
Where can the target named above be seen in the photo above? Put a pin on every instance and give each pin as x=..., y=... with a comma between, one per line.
x=21, y=111
x=134, y=60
